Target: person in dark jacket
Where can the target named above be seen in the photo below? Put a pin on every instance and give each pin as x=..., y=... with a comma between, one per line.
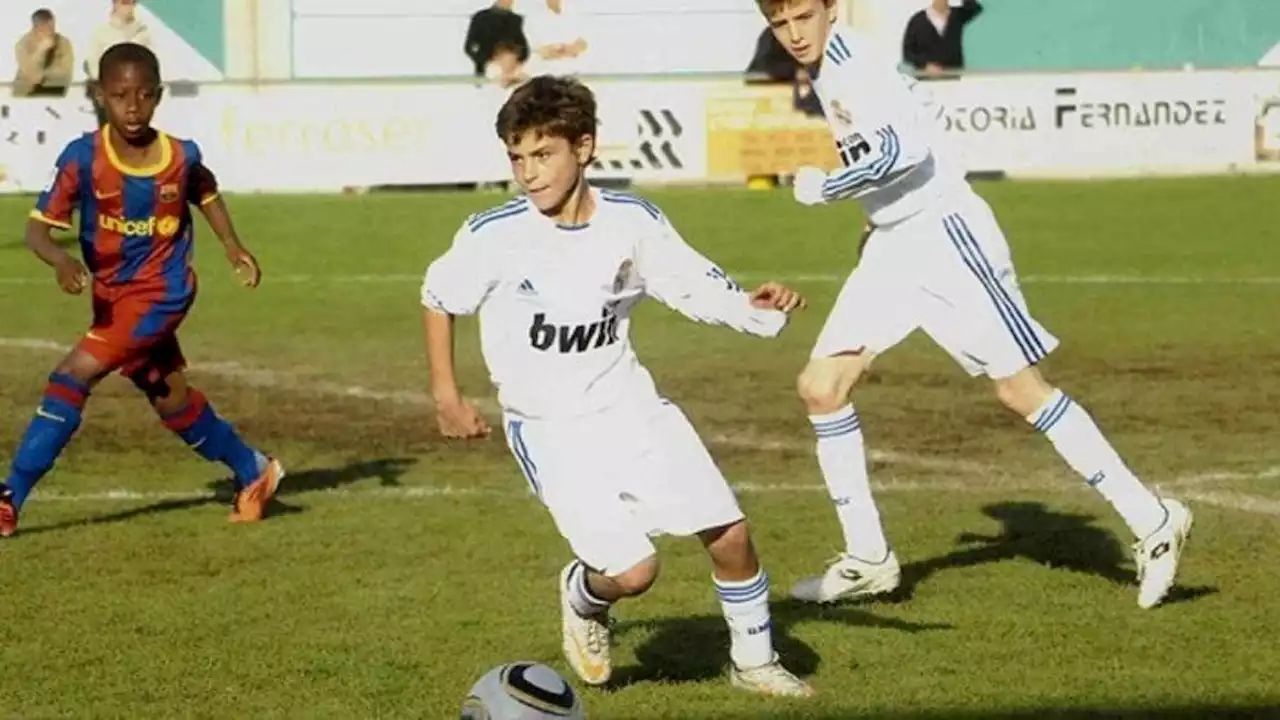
x=493, y=27
x=933, y=42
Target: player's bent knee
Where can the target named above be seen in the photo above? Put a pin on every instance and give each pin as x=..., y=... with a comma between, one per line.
x=731, y=548
x=731, y=539
x=1024, y=392
x=638, y=578
x=825, y=383
x=151, y=383
x=82, y=366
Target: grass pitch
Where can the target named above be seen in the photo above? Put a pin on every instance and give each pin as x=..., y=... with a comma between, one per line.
x=399, y=567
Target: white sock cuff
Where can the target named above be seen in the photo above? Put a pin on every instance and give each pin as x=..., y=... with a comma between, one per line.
x=578, y=581
x=1050, y=412
x=738, y=592
x=841, y=422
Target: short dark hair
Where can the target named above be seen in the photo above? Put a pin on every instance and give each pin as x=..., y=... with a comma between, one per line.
x=769, y=6
x=554, y=106
x=43, y=15
x=128, y=54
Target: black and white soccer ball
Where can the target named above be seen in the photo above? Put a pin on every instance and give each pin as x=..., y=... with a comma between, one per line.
x=522, y=691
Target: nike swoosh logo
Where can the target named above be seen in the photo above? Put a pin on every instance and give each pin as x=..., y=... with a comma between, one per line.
x=105, y=196
x=95, y=336
x=48, y=415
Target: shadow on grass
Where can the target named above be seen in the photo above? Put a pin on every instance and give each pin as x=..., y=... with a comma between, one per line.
x=1060, y=541
x=696, y=648
x=387, y=470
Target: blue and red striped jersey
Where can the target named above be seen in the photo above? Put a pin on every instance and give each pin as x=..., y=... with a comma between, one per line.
x=136, y=224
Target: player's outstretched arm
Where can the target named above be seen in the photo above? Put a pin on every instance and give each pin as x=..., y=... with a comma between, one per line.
x=683, y=279
x=72, y=275
x=219, y=218
x=456, y=283
x=456, y=417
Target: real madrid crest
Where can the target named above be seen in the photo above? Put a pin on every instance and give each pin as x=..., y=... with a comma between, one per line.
x=842, y=114
x=622, y=280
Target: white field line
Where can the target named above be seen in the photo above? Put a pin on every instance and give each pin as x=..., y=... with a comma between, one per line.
x=1235, y=501
x=963, y=475
x=1103, y=279
x=1222, y=499
x=274, y=379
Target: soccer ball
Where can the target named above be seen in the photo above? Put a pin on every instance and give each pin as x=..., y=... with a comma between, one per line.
x=522, y=691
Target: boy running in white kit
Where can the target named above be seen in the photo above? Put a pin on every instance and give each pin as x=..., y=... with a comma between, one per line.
x=554, y=276
x=936, y=260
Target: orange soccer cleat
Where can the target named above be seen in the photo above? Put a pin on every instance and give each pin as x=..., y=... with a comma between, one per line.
x=251, y=502
x=8, y=513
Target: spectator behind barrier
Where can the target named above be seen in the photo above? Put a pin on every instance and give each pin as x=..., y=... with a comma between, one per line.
x=122, y=26
x=933, y=42
x=496, y=43
x=556, y=37
x=506, y=68
x=45, y=59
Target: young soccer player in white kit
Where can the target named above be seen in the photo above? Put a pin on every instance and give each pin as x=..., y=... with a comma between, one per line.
x=554, y=276
x=937, y=260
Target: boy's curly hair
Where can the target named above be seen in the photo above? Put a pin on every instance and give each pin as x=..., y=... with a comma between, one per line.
x=548, y=105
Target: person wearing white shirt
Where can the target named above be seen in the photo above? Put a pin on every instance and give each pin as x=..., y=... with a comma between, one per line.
x=122, y=26
x=555, y=275
x=936, y=260
x=557, y=38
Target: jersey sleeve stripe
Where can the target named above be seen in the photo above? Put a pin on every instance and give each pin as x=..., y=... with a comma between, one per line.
x=484, y=214
x=837, y=50
x=37, y=215
x=209, y=198
x=512, y=212
x=843, y=48
x=848, y=180
x=647, y=206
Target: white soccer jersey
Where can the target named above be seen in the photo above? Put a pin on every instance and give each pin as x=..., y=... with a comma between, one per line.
x=938, y=260
x=555, y=302
x=886, y=137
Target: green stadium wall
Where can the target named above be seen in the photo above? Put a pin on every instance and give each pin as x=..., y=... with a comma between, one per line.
x=1108, y=34
x=200, y=23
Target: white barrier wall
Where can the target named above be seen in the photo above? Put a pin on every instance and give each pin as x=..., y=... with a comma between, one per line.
x=424, y=38
x=323, y=137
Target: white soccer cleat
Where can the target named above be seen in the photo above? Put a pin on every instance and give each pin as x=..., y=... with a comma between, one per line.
x=771, y=679
x=1158, y=554
x=586, y=639
x=849, y=578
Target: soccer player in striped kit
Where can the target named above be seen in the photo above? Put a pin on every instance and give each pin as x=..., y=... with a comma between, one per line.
x=554, y=276
x=133, y=187
x=936, y=259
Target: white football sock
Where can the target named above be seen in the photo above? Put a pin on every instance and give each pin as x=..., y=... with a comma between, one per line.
x=843, y=459
x=1079, y=441
x=584, y=602
x=746, y=609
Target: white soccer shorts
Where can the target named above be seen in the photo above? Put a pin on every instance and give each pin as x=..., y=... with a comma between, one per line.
x=614, y=479
x=950, y=275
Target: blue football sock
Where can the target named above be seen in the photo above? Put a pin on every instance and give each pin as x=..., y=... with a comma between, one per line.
x=214, y=438
x=55, y=422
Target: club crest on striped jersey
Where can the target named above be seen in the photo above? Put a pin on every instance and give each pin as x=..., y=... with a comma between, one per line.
x=169, y=193
x=622, y=280
x=842, y=113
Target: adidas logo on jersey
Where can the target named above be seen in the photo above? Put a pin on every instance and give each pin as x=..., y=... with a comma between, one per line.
x=526, y=288
x=546, y=336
